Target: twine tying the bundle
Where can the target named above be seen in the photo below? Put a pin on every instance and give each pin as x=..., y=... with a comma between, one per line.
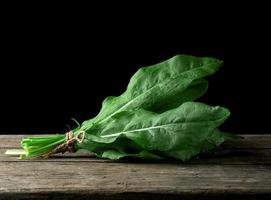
x=67, y=146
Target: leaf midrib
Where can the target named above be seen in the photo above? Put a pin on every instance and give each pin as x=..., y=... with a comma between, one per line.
x=141, y=129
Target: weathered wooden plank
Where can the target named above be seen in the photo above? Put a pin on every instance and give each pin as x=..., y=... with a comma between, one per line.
x=239, y=153
x=249, y=142
x=225, y=157
x=119, y=178
x=242, y=170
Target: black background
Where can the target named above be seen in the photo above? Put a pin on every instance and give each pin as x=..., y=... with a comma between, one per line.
x=61, y=62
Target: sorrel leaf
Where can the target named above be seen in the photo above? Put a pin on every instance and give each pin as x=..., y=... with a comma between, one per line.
x=180, y=133
x=161, y=87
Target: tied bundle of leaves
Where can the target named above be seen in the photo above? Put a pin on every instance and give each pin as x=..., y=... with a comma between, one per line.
x=154, y=118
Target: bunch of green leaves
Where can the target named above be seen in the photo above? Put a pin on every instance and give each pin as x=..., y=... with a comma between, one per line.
x=155, y=118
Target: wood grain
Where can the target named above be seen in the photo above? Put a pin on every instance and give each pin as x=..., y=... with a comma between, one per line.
x=241, y=170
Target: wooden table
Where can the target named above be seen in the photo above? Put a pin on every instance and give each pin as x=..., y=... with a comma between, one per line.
x=242, y=170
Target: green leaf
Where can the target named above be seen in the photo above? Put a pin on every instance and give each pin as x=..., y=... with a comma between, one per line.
x=116, y=155
x=181, y=133
x=160, y=87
